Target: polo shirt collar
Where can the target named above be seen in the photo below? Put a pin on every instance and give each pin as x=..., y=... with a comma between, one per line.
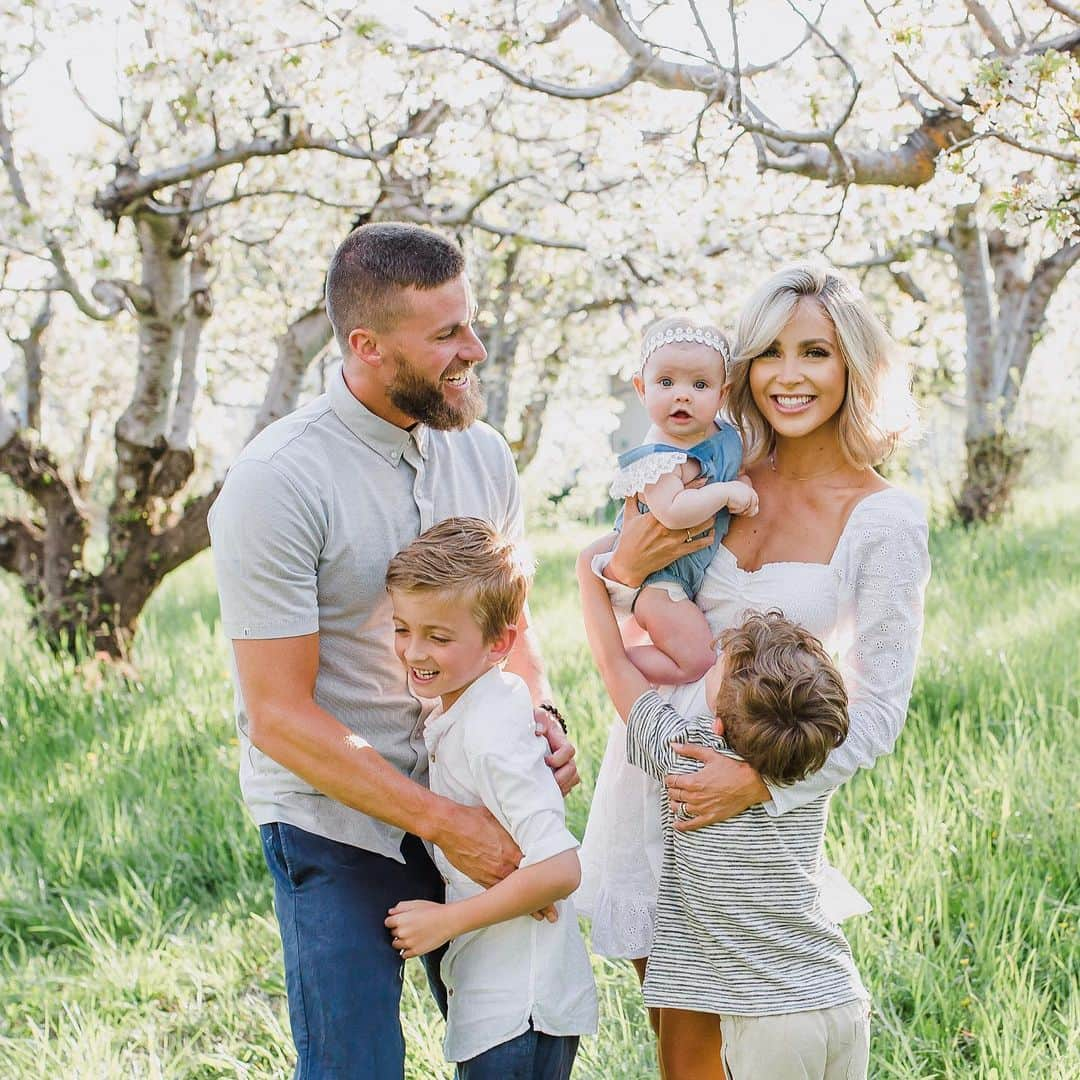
x=386, y=439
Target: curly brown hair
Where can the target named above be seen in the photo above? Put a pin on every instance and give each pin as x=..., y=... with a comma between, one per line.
x=782, y=701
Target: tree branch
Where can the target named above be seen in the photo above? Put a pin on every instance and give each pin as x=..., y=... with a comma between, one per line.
x=301, y=342
x=130, y=186
x=1048, y=275
x=32, y=351
x=990, y=28
x=575, y=93
x=564, y=19
x=1063, y=9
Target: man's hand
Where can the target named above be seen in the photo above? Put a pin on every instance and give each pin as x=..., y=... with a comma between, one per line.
x=419, y=926
x=720, y=789
x=561, y=758
x=479, y=846
x=645, y=545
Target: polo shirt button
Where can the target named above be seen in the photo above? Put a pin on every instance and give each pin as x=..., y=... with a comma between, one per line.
x=450, y=992
x=431, y=757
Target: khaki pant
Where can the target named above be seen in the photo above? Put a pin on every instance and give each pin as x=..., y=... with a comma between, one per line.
x=823, y=1044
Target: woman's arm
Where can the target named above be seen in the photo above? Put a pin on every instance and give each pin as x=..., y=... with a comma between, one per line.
x=625, y=684
x=885, y=571
x=418, y=926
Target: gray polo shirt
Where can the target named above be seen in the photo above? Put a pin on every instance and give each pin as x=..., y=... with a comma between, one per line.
x=308, y=519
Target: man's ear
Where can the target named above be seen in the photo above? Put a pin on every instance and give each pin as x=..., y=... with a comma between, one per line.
x=639, y=386
x=500, y=648
x=364, y=346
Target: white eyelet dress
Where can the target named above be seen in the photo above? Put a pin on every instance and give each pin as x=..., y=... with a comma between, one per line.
x=866, y=604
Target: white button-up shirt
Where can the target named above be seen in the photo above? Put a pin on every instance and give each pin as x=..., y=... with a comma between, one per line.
x=484, y=751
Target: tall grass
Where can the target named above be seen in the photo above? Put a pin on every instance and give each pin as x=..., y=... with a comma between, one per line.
x=136, y=924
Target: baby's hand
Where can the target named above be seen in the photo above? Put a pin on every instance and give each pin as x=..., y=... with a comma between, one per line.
x=742, y=498
x=419, y=926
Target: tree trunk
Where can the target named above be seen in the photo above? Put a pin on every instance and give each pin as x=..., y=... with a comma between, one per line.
x=1004, y=307
x=992, y=467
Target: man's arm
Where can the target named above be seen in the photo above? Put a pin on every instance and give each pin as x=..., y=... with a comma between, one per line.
x=277, y=680
x=525, y=662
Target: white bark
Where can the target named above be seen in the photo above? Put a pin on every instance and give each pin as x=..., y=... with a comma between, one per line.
x=296, y=348
x=199, y=310
x=164, y=277
x=972, y=258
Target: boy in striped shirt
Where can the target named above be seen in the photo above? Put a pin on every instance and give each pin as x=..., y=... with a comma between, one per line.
x=740, y=933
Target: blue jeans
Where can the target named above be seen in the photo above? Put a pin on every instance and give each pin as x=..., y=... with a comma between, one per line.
x=342, y=975
x=531, y=1056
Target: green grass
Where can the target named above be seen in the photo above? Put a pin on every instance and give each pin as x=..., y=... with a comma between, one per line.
x=136, y=926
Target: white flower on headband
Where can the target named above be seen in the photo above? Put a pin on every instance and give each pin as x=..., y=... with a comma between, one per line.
x=678, y=333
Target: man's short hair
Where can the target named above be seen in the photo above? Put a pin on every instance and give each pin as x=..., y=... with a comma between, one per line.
x=470, y=558
x=782, y=701
x=374, y=264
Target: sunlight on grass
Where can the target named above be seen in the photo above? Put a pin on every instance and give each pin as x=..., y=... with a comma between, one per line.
x=136, y=926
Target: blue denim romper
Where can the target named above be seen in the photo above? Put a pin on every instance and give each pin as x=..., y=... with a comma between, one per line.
x=720, y=457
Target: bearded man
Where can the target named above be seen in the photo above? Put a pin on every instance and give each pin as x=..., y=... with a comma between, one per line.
x=333, y=765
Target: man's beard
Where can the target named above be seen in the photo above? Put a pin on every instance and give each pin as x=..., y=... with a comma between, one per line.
x=423, y=400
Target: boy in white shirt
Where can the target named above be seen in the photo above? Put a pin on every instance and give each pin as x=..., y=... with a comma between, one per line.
x=520, y=989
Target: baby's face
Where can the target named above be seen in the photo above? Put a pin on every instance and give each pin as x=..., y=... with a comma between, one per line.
x=682, y=386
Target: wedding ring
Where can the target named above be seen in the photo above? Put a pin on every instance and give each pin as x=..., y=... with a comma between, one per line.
x=689, y=537
x=682, y=814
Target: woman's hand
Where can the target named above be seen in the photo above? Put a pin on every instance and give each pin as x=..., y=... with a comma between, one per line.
x=645, y=545
x=720, y=789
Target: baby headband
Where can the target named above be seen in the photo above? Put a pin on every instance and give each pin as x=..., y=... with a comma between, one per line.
x=679, y=333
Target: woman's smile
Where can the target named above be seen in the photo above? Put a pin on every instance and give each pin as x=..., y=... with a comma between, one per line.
x=793, y=403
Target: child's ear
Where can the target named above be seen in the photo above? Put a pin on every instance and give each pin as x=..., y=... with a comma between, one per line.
x=500, y=648
x=639, y=385
x=725, y=391
x=718, y=725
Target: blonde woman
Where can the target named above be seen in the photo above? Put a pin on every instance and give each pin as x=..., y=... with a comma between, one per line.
x=819, y=398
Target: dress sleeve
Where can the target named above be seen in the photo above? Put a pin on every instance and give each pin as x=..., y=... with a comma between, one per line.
x=651, y=728
x=516, y=785
x=885, y=566
x=639, y=474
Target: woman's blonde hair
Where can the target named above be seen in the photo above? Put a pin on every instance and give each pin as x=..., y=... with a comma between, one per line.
x=877, y=410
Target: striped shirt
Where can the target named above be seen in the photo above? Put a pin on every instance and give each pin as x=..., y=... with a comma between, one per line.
x=739, y=925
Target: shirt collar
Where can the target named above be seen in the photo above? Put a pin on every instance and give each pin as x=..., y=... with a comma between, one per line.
x=386, y=439
x=439, y=723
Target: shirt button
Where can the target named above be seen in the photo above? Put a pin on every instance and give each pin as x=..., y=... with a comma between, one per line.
x=431, y=757
x=450, y=992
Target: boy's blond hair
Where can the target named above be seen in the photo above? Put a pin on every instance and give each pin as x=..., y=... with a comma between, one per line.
x=468, y=557
x=782, y=701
